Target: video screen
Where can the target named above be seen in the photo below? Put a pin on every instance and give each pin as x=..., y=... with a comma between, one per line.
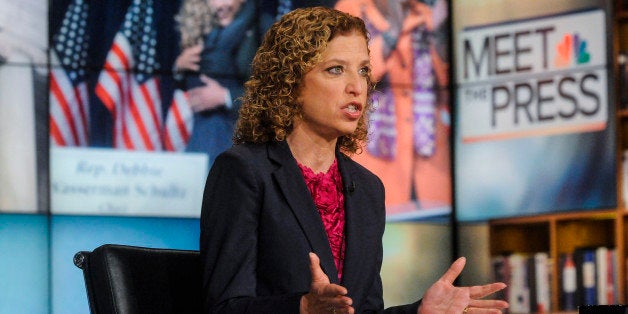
x=534, y=109
x=128, y=107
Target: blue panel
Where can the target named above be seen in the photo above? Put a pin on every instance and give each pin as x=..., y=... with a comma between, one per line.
x=24, y=264
x=70, y=234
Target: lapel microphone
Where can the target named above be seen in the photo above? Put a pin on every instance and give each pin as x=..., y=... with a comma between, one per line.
x=351, y=187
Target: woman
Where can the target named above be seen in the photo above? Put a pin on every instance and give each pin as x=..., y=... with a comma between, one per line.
x=215, y=63
x=408, y=145
x=290, y=224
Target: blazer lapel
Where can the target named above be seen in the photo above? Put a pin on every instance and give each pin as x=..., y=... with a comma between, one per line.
x=356, y=251
x=290, y=181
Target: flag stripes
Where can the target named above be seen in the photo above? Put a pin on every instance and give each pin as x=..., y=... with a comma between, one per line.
x=179, y=122
x=69, y=100
x=127, y=85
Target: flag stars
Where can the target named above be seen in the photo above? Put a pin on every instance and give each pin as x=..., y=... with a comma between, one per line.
x=68, y=89
x=70, y=43
x=139, y=28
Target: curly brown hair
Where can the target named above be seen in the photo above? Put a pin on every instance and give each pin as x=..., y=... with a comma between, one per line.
x=292, y=47
x=194, y=21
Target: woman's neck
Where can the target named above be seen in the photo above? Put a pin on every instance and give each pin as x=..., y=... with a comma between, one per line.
x=313, y=152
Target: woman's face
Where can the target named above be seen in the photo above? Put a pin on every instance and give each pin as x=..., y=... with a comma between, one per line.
x=333, y=93
x=225, y=10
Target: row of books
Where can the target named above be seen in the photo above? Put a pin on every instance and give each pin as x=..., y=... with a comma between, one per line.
x=528, y=280
x=587, y=276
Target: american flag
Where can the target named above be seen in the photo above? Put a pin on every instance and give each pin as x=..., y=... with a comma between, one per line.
x=128, y=87
x=179, y=122
x=69, y=101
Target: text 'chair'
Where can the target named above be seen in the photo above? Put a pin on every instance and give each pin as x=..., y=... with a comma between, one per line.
x=129, y=279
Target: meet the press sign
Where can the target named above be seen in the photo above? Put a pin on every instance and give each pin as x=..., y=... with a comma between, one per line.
x=533, y=77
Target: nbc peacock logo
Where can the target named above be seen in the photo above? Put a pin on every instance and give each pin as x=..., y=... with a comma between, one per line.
x=571, y=50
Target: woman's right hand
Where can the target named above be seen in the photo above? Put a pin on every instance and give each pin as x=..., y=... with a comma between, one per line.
x=324, y=297
x=189, y=59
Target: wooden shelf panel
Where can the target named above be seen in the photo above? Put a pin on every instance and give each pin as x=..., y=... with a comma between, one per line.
x=589, y=214
x=573, y=234
x=572, y=230
x=526, y=238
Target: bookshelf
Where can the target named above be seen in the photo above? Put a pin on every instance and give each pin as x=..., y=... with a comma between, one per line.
x=564, y=232
x=558, y=234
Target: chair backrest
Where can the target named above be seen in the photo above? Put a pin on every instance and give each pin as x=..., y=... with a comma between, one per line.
x=128, y=279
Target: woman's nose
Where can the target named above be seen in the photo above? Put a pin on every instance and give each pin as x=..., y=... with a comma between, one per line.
x=356, y=84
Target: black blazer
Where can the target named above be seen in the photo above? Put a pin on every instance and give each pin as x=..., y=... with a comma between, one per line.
x=258, y=224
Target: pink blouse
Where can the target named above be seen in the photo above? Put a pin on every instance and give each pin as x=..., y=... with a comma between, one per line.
x=326, y=190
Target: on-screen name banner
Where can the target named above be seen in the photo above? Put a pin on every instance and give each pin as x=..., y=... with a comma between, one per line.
x=127, y=183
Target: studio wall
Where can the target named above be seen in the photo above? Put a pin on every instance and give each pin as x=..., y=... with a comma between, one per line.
x=98, y=142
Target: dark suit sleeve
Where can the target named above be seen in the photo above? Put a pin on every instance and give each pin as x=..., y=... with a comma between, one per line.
x=374, y=299
x=404, y=309
x=228, y=242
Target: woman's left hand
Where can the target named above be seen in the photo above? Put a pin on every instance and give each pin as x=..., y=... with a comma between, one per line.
x=444, y=297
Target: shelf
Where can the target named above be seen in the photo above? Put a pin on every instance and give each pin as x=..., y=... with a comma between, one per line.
x=585, y=233
x=560, y=233
x=511, y=238
x=589, y=214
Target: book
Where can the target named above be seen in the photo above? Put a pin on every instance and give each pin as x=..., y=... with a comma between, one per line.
x=588, y=281
x=622, y=80
x=519, y=292
x=542, y=282
x=624, y=177
x=501, y=273
x=613, y=277
x=569, y=282
x=531, y=277
x=584, y=261
x=602, y=272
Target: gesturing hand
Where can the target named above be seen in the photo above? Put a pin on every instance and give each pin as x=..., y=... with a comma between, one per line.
x=444, y=297
x=324, y=297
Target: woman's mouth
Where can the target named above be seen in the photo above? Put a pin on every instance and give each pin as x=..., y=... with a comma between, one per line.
x=353, y=110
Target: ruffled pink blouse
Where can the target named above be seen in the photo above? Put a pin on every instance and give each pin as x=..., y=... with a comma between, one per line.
x=326, y=190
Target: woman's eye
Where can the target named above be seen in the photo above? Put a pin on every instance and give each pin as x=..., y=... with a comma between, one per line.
x=335, y=70
x=365, y=71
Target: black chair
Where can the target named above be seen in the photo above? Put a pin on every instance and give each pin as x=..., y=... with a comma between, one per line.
x=128, y=279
